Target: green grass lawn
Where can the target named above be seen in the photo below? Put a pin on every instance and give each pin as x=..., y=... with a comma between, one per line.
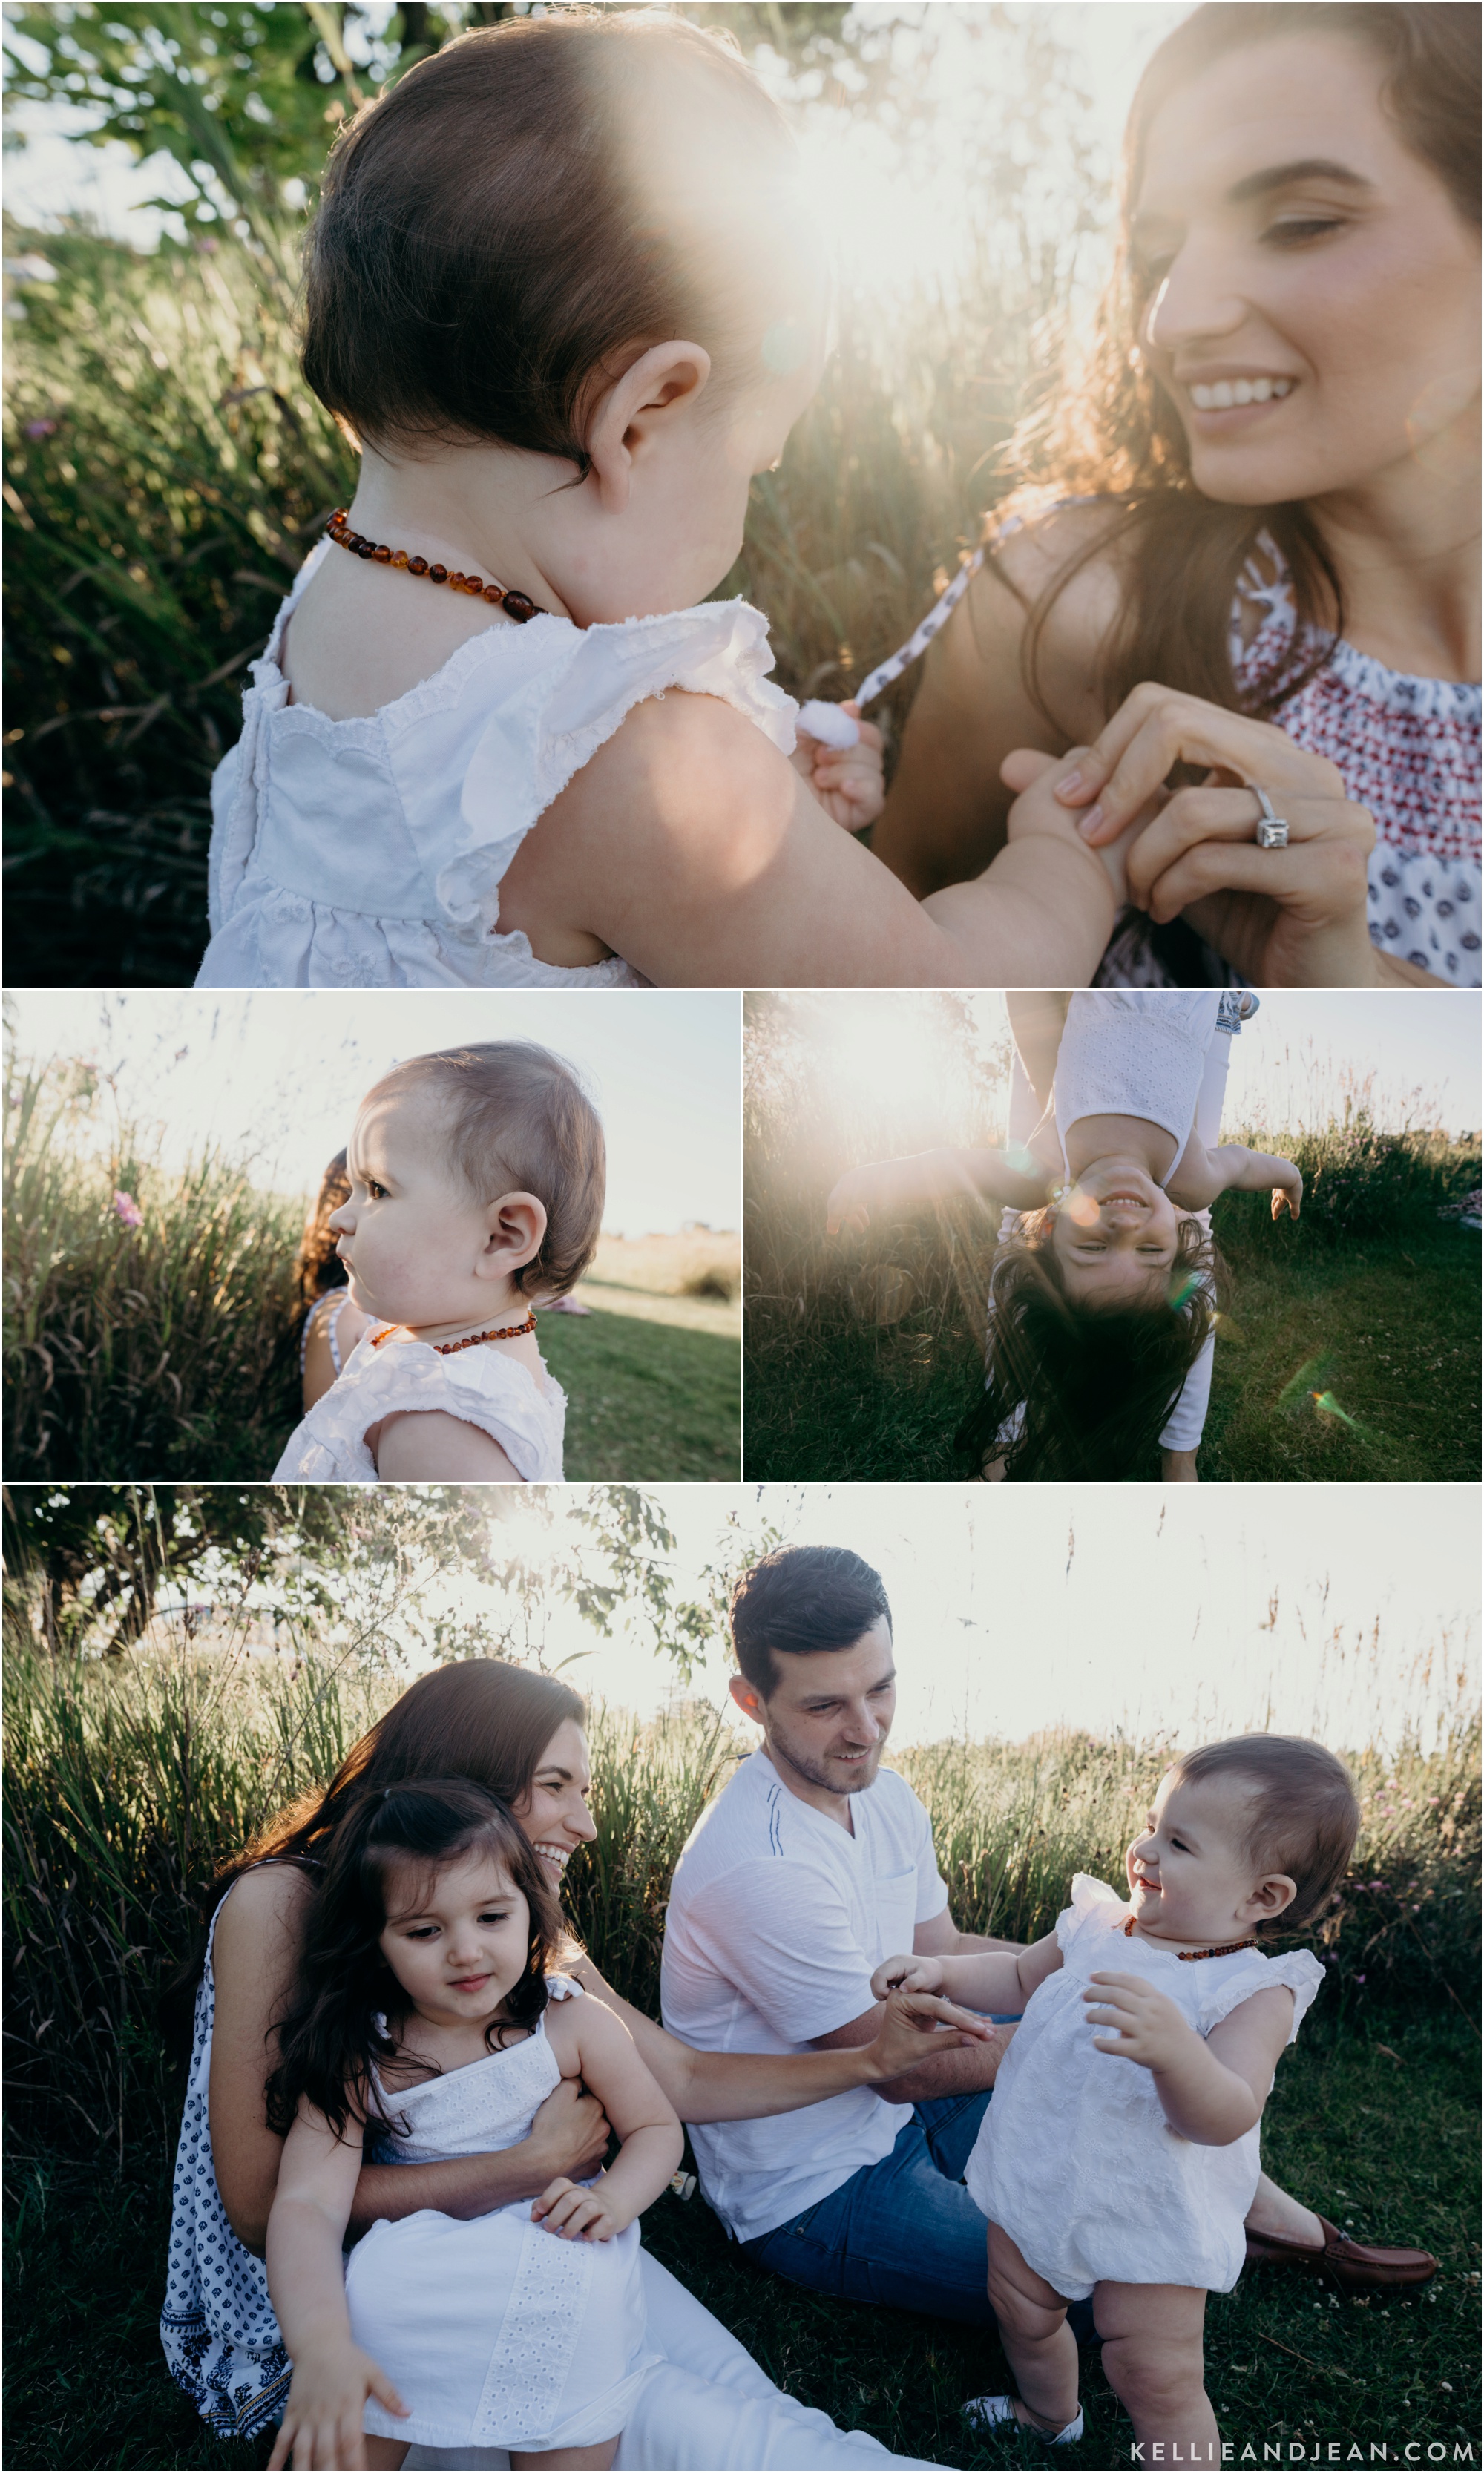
x=1388, y=1327
x=1374, y=2122
x=646, y=1400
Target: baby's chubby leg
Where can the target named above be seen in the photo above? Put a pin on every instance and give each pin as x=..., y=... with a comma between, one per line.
x=1154, y=2361
x=1039, y=2344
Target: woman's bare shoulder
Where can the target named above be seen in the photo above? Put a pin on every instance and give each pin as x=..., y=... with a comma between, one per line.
x=262, y=1906
x=1073, y=546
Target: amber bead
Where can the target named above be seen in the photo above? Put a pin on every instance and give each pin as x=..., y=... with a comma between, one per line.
x=438, y=574
x=417, y=566
x=521, y=607
x=365, y=549
x=382, y=555
x=475, y=584
x=399, y=558
x=493, y=592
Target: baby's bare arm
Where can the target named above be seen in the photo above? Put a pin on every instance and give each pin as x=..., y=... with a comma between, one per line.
x=1235, y=1169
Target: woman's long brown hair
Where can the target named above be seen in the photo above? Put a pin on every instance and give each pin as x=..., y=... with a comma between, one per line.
x=479, y=1720
x=317, y=1266
x=1096, y=1387
x=1109, y=431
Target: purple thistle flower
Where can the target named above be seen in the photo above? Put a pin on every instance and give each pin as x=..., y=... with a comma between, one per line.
x=128, y=1210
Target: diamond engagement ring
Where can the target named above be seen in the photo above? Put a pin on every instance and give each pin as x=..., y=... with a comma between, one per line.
x=1271, y=830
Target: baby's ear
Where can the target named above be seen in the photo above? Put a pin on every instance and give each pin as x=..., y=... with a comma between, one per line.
x=516, y=1233
x=1271, y=1897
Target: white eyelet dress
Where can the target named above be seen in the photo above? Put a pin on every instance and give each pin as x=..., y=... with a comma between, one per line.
x=482, y=1386
x=369, y=854
x=1075, y=2159
x=495, y=2332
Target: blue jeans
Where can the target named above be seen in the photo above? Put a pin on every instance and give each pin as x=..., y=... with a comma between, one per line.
x=904, y=2231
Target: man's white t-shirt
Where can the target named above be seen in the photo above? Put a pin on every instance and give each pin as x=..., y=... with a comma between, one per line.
x=778, y=1918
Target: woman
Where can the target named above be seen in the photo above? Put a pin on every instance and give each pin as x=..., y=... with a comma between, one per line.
x=1262, y=497
x=521, y=1736
x=331, y=1323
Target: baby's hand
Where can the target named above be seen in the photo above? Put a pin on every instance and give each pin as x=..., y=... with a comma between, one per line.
x=909, y=1974
x=321, y=2422
x=1146, y=2026
x=573, y=2213
x=1288, y=1191
x=1038, y=810
x=852, y=1200
x=848, y=783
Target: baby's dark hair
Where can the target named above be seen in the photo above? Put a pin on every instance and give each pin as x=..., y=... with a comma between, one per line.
x=1301, y=1817
x=520, y=1122
x=537, y=201
x=1096, y=1383
x=393, y=1840
x=317, y=1266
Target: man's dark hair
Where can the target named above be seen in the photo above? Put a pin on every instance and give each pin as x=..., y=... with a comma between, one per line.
x=799, y=1600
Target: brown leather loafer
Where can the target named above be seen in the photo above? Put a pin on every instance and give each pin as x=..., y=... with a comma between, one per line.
x=1356, y=2266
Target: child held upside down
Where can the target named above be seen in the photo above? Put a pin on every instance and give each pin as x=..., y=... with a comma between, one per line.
x=1102, y=1293
x=1119, y=2155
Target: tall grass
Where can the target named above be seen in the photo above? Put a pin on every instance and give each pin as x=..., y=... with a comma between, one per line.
x=148, y=1349
x=128, y=1786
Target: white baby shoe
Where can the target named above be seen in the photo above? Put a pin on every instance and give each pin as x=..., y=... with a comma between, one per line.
x=988, y=2411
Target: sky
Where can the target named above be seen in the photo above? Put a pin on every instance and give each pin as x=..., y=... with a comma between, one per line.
x=1346, y=1612
x=1291, y=1067
x=272, y=1078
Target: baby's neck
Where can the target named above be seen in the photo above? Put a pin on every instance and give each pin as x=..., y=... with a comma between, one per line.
x=1112, y=1143
x=506, y=1314
x=1221, y=1936
x=475, y=509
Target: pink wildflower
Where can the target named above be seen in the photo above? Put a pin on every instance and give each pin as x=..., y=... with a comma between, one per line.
x=128, y=1210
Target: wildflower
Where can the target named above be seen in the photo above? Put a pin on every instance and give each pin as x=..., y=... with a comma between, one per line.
x=128, y=1210
x=41, y=428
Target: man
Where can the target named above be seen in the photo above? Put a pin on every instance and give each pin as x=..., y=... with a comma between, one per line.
x=811, y=1866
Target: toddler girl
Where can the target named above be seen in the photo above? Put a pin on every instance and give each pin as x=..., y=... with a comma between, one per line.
x=1121, y=2164
x=563, y=291
x=476, y=1181
x=425, y=2012
x=1100, y=1299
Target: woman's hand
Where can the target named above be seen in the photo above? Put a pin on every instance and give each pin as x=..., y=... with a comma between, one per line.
x=853, y=1198
x=916, y=2024
x=321, y=2420
x=1291, y=916
x=850, y=783
x=570, y=2133
x=1141, y=2024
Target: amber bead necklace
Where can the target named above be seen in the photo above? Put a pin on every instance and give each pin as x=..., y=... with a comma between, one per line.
x=516, y=605
x=475, y=1339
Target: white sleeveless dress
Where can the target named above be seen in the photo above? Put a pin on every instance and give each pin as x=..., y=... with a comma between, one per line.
x=495, y=2332
x=705, y=2408
x=1075, y=2159
x=483, y=1386
x=369, y=854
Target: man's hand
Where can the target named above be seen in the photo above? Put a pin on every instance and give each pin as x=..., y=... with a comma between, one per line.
x=573, y=2213
x=1143, y=2025
x=321, y=2420
x=906, y=1974
x=1288, y=1192
x=915, y=2025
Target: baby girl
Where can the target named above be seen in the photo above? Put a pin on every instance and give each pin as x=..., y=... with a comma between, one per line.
x=476, y=1185
x=1120, y=2163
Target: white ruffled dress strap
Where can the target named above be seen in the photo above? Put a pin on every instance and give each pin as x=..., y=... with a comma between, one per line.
x=267, y=692
x=1094, y=1906
x=535, y=742
x=1297, y=1971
